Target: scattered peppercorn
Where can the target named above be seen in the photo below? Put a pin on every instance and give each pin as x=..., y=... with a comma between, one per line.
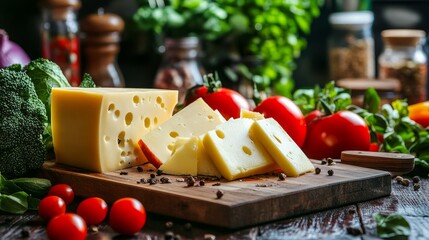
x=169, y=224
x=331, y=161
x=123, y=173
x=180, y=179
x=416, y=179
x=188, y=226
x=152, y=175
x=209, y=237
x=139, y=169
x=216, y=184
x=416, y=186
x=330, y=172
x=202, y=182
x=282, y=176
x=165, y=180
x=169, y=235
x=219, y=194
x=399, y=179
x=263, y=185
x=152, y=181
x=190, y=181
x=159, y=172
x=405, y=182
x=324, y=162
x=318, y=170
x=142, y=180
x=355, y=231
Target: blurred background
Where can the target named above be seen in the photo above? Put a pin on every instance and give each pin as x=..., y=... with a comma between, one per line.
x=139, y=58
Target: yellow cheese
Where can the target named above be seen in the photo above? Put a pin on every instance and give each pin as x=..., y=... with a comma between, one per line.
x=193, y=120
x=250, y=114
x=184, y=159
x=234, y=153
x=98, y=128
x=183, y=151
x=281, y=147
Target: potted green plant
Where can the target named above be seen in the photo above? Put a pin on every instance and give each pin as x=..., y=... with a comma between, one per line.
x=181, y=25
x=265, y=38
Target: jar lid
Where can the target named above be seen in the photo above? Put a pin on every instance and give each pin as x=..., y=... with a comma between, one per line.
x=361, y=85
x=61, y=3
x=402, y=37
x=102, y=23
x=351, y=20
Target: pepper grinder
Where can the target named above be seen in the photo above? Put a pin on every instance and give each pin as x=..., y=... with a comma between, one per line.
x=100, y=42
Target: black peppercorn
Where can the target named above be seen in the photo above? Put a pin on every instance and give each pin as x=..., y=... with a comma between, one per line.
x=416, y=186
x=169, y=224
x=159, y=172
x=399, y=179
x=330, y=161
x=405, y=182
x=282, y=177
x=152, y=175
x=123, y=173
x=416, y=179
x=202, y=183
x=165, y=180
x=168, y=235
x=324, y=162
x=317, y=170
x=139, y=169
x=330, y=172
x=219, y=194
x=190, y=181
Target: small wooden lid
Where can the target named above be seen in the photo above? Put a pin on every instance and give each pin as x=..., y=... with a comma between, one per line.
x=102, y=23
x=402, y=37
x=61, y=3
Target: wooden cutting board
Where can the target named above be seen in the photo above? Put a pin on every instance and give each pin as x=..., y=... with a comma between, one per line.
x=245, y=202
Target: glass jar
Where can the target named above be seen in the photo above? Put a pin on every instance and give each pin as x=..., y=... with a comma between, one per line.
x=180, y=68
x=60, y=40
x=351, y=45
x=403, y=58
x=100, y=41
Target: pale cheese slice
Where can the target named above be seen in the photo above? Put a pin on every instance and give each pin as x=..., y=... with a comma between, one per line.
x=98, y=128
x=194, y=120
x=234, y=153
x=184, y=159
x=182, y=151
x=281, y=147
x=250, y=114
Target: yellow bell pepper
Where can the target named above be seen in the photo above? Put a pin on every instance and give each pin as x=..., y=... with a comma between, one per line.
x=419, y=112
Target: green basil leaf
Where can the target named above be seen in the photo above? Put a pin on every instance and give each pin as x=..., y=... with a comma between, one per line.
x=391, y=225
x=36, y=187
x=394, y=143
x=371, y=100
x=8, y=187
x=377, y=123
x=15, y=203
x=33, y=203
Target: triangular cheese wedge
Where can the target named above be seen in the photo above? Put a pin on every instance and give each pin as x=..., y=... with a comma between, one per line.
x=281, y=147
x=184, y=160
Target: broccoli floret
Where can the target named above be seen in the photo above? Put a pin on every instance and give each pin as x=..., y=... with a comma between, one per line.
x=22, y=122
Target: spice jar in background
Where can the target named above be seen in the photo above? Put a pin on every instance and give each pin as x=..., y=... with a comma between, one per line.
x=180, y=68
x=351, y=45
x=60, y=39
x=403, y=58
x=100, y=34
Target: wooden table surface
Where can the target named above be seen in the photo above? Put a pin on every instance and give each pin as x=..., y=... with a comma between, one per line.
x=329, y=224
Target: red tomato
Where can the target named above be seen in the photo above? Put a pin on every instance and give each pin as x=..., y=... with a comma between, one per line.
x=374, y=147
x=227, y=101
x=68, y=226
x=92, y=210
x=287, y=114
x=63, y=191
x=127, y=216
x=313, y=115
x=51, y=206
x=329, y=136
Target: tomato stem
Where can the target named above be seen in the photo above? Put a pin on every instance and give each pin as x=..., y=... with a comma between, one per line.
x=212, y=82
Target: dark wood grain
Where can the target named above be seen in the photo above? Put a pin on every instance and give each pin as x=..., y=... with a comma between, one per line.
x=245, y=202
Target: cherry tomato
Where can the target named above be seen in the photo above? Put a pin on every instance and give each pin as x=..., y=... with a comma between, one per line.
x=330, y=135
x=287, y=114
x=92, y=210
x=374, y=147
x=68, y=226
x=127, y=216
x=51, y=206
x=63, y=191
x=313, y=115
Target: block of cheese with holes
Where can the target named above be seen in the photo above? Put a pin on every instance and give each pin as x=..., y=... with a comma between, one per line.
x=98, y=128
x=281, y=147
x=234, y=152
x=194, y=120
x=189, y=157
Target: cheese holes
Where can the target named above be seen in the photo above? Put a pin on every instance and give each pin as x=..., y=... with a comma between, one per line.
x=246, y=150
x=111, y=107
x=107, y=139
x=155, y=120
x=210, y=117
x=147, y=122
x=277, y=139
x=117, y=113
x=121, y=139
x=174, y=134
x=170, y=146
x=220, y=134
x=136, y=100
x=128, y=118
